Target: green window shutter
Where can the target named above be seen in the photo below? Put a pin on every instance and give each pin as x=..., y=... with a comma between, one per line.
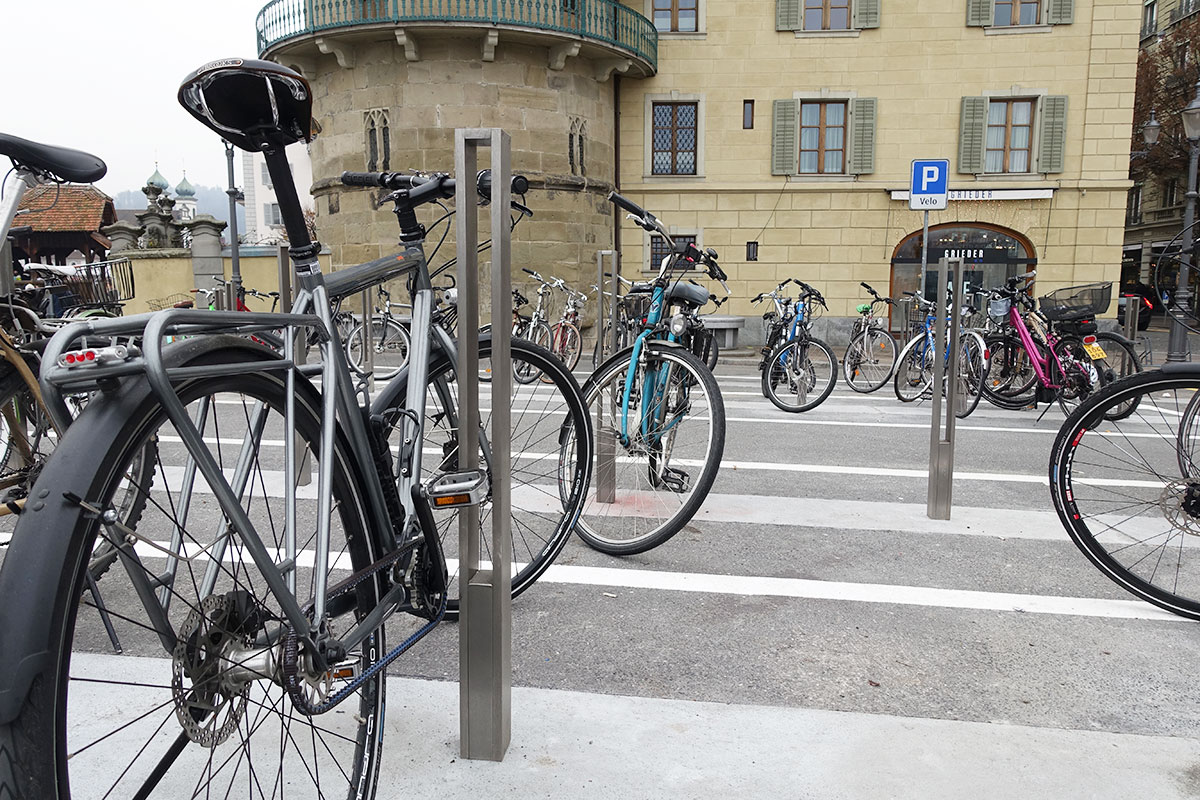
x=863, y=113
x=979, y=13
x=1061, y=12
x=787, y=15
x=785, y=149
x=972, y=127
x=1052, y=146
x=866, y=14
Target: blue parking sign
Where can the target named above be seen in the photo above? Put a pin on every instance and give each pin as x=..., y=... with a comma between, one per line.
x=928, y=189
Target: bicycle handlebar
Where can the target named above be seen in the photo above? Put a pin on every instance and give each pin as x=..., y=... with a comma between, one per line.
x=445, y=185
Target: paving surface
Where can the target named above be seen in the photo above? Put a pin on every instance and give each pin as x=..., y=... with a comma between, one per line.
x=812, y=633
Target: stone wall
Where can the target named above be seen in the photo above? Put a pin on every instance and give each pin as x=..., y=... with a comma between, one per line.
x=451, y=87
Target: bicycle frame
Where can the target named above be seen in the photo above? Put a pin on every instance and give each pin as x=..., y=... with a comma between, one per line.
x=340, y=410
x=1041, y=366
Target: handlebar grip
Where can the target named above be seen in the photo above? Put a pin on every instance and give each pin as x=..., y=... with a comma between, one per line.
x=519, y=184
x=630, y=206
x=909, y=294
x=528, y=270
x=363, y=178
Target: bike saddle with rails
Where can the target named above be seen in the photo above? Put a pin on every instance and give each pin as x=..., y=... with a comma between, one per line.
x=61, y=162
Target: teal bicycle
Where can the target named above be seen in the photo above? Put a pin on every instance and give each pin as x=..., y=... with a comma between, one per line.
x=658, y=413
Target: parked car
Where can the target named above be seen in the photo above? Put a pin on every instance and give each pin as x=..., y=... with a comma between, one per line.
x=1148, y=303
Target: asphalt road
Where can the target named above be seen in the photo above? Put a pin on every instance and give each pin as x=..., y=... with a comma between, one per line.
x=812, y=582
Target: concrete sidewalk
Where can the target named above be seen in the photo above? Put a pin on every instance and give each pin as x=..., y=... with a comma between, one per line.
x=570, y=744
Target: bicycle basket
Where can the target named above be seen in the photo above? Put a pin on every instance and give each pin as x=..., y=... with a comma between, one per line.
x=1075, y=302
x=159, y=303
x=102, y=282
x=998, y=307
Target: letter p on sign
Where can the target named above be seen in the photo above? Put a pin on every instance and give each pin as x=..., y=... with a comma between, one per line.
x=927, y=191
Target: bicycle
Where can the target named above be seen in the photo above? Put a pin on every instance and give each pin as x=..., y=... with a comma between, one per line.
x=267, y=619
x=658, y=414
x=388, y=337
x=28, y=434
x=1055, y=354
x=800, y=372
x=565, y=340
x=1125, y=485
x=913, y=378
x=871, y=353
x=631, y=309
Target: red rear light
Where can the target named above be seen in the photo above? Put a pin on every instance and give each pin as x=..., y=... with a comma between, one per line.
x=1089, y=340
x=69, y=358
x=1146, y=300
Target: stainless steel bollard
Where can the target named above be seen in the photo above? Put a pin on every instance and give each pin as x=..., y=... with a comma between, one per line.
x=941, y=446
x=606, y=446
x=485, y=622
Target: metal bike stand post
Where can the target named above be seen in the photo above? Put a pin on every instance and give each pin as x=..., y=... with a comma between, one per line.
x=485, y=615
x=6, y=269
x=299, y=355
x=1133, y=309
x=941, y=446
x=606, y=447
x=368, y=342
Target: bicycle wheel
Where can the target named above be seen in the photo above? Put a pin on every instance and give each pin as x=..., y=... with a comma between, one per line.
x=193, y=701
x=969, y=377
x=389, y=345
x=648, y=486
x=702, y=344
x=800, y=374
x=568, y=344
x=1127, y=491
x=539, y=334
x=603, y=339
x=1120, y=361
x=870, y=360
x=1010, y=381
x=551, y=441
x=914, y=371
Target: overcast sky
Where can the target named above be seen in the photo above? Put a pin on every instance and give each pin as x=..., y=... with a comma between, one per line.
x=102, y=77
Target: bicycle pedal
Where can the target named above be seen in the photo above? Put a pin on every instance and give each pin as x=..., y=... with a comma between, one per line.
x=457, y=489
x=675, y=479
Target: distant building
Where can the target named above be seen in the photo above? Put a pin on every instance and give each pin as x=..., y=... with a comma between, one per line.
x=264, y=225
x=66, y=219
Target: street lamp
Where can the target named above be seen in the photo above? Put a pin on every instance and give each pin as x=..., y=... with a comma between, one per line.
x=1150, y=132
x=1177, y=344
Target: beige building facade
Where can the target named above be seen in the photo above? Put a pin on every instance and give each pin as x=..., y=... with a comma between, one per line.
x=789, y=124
x=809, y=120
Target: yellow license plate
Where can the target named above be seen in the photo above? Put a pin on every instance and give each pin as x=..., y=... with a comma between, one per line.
x=1094, y=351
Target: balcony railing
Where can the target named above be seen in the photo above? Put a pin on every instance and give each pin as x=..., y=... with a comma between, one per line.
x=1185, y=9
x=604, y=21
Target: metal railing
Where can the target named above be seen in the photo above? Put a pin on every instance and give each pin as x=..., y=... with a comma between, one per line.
x=604, y=21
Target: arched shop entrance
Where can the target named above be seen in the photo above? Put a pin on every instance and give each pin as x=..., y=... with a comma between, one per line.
x=992, y=255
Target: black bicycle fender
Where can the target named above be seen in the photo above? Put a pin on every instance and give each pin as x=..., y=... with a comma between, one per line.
x=46, y=555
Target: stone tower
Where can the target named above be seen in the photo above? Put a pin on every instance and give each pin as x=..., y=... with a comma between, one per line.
x=392, y=80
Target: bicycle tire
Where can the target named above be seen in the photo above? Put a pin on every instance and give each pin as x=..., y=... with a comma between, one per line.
x=538, y=334
x=390, y=345
x=568, y=344
x=538, y=422
x=1125, y=490
x=913, y=376
x=55, y=732
x=1116, y=367
x=971, y=368
x=1011, y=380
x=641, y=480
x=800, y=374
x=870, y=360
